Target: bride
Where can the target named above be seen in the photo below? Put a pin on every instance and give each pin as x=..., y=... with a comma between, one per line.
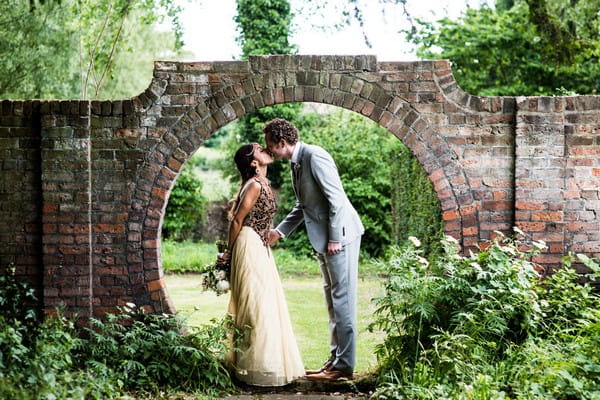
x=269, y=354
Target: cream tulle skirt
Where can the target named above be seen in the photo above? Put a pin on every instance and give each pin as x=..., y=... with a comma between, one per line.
x=269, y=354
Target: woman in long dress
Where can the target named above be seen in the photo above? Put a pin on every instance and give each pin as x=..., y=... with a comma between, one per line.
x=268, y=353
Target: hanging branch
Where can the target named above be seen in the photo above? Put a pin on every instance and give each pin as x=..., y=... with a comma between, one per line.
x=92, y=73
x=359, y=16
x=110, y=56
x=92, y=55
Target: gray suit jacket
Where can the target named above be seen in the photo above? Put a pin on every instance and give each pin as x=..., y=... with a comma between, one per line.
x=321, y=201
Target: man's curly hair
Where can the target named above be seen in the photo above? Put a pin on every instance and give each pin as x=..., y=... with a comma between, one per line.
x=279, y=128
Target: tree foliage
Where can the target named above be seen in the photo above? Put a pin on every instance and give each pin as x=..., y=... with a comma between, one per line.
x=517, y=47
x=78, y=48
x=32, y=37
x=103, y=28
x=264, y=28
x=521, y=47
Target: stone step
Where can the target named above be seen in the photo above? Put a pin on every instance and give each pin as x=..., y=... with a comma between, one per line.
x=360, y=388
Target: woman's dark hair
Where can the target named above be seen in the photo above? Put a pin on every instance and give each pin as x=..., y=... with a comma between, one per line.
x=243, y=158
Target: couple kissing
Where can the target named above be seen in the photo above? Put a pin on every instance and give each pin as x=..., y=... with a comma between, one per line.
x=268, y=353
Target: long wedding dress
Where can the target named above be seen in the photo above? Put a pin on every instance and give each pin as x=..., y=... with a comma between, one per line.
x=269, y=353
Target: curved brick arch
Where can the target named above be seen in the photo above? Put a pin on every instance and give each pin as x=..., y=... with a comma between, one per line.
x=356, y=94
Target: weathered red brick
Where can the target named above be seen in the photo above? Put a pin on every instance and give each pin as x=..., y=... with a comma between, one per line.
x=496, y=205
x=109, y=228
x=547, y=216
x=530, y=205
x=531, y=226
x=156, y=285
x=450, y=215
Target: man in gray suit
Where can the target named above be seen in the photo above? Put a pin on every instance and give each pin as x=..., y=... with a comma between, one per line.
x=334, y=230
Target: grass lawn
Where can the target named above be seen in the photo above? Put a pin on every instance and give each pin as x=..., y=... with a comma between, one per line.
x=307, y=308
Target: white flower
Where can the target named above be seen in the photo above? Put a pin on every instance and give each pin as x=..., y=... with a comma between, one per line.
x=221, y=275
x=540, y=244
x=423, y=261
x=451, y=239
x=416, y=242
x=520, y=232
x=509, y=250
x=223, y=286
x=499, y=234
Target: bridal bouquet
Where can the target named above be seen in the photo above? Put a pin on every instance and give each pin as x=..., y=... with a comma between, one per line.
x=216, y=275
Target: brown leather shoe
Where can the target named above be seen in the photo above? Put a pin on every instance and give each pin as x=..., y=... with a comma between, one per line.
x=330, y=375
x=328, y=365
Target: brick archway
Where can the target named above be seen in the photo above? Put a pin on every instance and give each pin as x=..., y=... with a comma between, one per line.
x=266, y=88
x=85, y=183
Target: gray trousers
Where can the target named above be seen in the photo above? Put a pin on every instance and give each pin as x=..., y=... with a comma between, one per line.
x=340, y=276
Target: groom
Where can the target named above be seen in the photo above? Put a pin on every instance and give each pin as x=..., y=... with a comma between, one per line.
x=334, y=229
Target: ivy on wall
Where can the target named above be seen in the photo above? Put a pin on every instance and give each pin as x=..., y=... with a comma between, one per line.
x=415, y=208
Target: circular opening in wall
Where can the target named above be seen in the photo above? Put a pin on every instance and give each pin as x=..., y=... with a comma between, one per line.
x=367, y=157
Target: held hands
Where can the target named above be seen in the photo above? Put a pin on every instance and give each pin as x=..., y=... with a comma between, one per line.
x=273, y=236
x=332, y=247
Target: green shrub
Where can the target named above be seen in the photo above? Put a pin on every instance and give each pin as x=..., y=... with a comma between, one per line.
x=563, y=367
x=192, y=257
x=37, y=358
x=486, y=326
x=150, y=350
x=17, y=298
x=566, y=303
x=127, y=351
x=185, y=210
x=291, y=264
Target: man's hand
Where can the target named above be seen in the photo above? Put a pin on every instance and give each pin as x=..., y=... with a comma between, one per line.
x=273, y=236
x=334, y=248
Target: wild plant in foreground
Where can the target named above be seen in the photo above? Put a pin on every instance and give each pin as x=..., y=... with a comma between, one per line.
x=151, y=350
x=50, y=359
x=37, y=357
x=463, y=326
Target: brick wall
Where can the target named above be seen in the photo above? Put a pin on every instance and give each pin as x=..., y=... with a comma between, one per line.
x=85, y=184
x=21, y=191
x=558, y=177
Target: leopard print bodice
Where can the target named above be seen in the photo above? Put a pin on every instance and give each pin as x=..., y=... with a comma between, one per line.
x=261, y=215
